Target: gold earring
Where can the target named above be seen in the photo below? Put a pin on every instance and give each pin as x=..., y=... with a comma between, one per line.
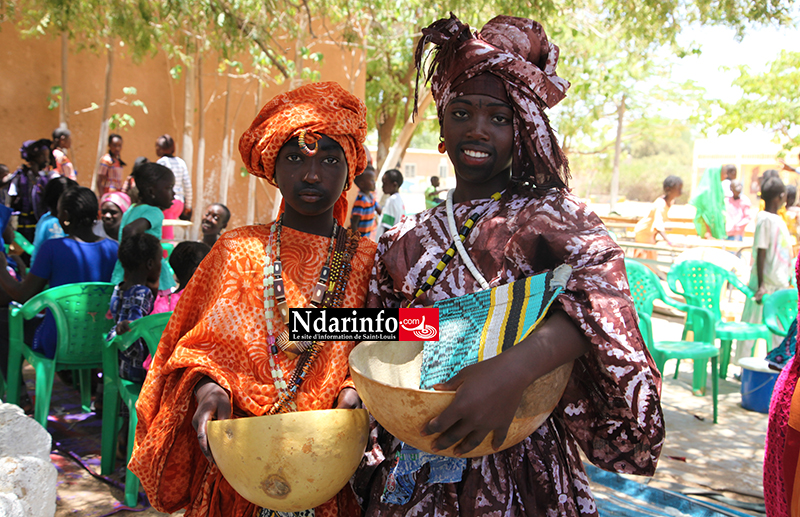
x=66, y=223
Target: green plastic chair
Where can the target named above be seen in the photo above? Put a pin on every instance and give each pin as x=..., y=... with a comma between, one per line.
x=701, y=284
x=115, y=389
x=80, y=315
x=22, y=242
x=780, y=309
x=645, y=288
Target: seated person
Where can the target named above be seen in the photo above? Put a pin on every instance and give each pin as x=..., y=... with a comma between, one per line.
x=133, y=298
x=214, y=221
x=48, y=226
x=81, y=256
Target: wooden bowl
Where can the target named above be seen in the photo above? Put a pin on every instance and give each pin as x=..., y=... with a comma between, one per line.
x=293, y=461
x=387, y=376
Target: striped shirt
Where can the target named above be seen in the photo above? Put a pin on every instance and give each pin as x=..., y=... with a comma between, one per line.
x=365, y=207
x=109, y=175
x=183, y=181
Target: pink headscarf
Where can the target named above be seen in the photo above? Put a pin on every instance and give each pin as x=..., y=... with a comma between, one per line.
x=118, y=198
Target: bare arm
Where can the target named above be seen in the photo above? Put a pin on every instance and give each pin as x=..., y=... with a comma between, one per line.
x=20, y=291
x=489, y=392
x=761, y=257
x=140, y=225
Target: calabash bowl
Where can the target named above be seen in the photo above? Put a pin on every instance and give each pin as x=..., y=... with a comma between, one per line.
x=387, y=376
x=293, y=461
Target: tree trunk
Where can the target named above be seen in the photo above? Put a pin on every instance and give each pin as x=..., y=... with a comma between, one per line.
x=251, y=181
x=398, y=150
x=617, y=152
x=102, y=140
x=63, y=112
x=385, y=129
x=297, y=78
x=226, y=155
x=187, y=146
x=199, y=187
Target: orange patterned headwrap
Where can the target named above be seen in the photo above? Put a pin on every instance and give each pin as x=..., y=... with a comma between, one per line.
x=314, y=109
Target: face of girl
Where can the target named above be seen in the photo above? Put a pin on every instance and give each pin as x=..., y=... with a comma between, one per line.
x=479, y=136
x=115, y=147
x=213, y=221
x=112, y=216
x=311, y=184
x=162, y=193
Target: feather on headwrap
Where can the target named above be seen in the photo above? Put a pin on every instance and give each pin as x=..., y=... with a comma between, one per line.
x=516, y=51
x=312, y=110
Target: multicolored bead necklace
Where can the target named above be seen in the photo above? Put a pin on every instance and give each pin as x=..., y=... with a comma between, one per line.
x=451, y=251
x=275, y=295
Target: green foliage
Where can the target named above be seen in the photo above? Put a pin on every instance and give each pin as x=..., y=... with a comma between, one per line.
x=54, y=99
x=643, y=166
x=770, y=100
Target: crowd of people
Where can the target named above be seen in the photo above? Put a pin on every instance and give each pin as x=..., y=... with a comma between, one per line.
x=81, y=235
x=226, y=352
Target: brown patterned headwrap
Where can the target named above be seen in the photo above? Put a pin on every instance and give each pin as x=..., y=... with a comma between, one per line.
x=517, y=52
x=314, y=110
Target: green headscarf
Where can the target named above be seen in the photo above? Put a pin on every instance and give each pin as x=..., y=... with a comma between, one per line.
x=708, y=199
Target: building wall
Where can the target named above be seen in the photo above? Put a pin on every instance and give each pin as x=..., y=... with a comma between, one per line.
x=752, y=153
x=31, y=66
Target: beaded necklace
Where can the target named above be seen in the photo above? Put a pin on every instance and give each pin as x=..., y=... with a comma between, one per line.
x=275, y=295
x=467, y=227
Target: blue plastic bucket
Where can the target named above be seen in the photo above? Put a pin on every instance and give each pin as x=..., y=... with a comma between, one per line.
x=757, y=384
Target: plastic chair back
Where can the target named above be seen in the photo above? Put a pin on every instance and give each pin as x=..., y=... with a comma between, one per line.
x=80, y=315
x=644, y=285
x=780, y=308
x=23, y=243
x=150, y=329
x=701, y=284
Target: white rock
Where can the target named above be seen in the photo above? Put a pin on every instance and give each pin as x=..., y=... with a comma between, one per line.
x=21, y=435
x=27, y=478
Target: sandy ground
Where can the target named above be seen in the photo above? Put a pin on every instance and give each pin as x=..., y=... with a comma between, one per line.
x=698, y=455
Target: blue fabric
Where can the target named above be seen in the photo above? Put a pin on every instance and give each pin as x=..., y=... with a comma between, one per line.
x=781, y=354
x=67, y=261
x=155, y=217
x=5, y=216
x=401, y=481
x=130, y=305
x=47, y=228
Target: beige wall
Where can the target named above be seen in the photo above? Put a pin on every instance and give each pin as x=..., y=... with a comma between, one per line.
x=31, y=66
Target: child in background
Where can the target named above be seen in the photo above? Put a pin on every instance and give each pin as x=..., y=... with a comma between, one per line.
x=184, y=260
x=155, y=184
x=133, y=298
x=652, y=224
x=182, y=204
x=432, y=193
x=362, y=219
x=109, y=172
x=739, y=214
x=48, y=226
x=214, y=221
x=26, y=185
x=791, y=210
x=772, y=258
x=394, y=208
x=62, y=141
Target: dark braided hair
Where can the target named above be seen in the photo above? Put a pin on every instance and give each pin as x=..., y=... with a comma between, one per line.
x=147, y=174
x=53, y=190
x=186, y=257
x=138, y=249
x=81, y=203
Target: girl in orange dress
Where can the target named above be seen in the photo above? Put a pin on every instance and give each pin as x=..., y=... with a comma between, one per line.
x=220, y=352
